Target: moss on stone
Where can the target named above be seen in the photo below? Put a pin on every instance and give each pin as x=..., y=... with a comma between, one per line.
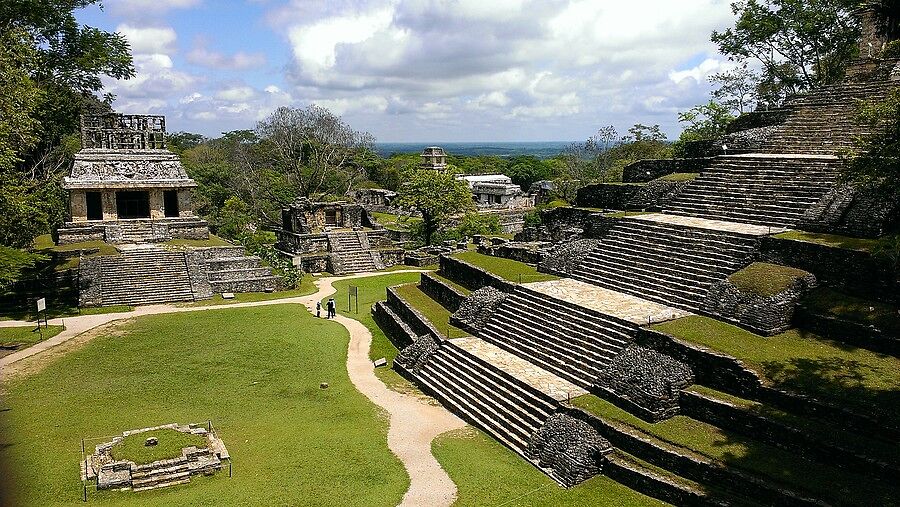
x=766, y=279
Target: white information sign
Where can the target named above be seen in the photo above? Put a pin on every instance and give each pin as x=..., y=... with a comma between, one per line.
x=42, y=304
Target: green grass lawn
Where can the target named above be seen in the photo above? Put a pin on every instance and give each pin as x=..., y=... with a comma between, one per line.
x=307, y=286
x=18, y=338
x=45, y=242
x=255, y=372
x=743, y=452
x=64, y=310
x=394, y=222
x=508, y=269
x=833, y=240
x=431, y=309
x=860, y=379
x=864, y=311
x=171, y=442
x=371, y=290
x=764, y=279
x=487, y=473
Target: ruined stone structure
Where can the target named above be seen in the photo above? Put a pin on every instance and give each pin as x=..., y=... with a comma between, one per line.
x=497, y=191
x=108, y=473
x=434, y=158
x=126, y=187
x=590, y=331
x=337, y=237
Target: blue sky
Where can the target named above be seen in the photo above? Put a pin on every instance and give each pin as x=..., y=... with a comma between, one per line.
x=419, y=70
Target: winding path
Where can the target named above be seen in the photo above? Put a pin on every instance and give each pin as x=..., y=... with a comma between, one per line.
x=413, y=422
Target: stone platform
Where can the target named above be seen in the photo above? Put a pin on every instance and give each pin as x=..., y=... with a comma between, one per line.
x=535, y=376
x=705, y=223
x=609, y=302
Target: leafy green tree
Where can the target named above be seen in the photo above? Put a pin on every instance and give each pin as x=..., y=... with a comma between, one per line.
x=706, y=121
x=527, y=169
x=437, y=196
x=802, y=44
x=20, y=97
x=13, y=262
x=737, y=89
x=476, y=223
x=874, y=158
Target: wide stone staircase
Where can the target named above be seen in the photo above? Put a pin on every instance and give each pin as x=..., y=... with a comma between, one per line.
x=825, y=121
x=230, y=269
x=666, y=263
x=757, y=189
x=139, y=277
x=486, y=396
x=350, y=253
x=570, y=341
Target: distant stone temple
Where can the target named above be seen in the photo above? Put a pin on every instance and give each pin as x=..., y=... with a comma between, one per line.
x=337, y=237
x=497, y=191
x=434, y=158
x=126, y=187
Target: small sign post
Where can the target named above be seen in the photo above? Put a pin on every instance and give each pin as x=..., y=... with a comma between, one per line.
x=354, y=292
x=42, y=307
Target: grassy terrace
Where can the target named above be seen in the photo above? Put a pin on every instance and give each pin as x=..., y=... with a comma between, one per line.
x=766, y=279
x=431, y=309
x=171, y=442
x=833, y=240
x=802, y=362
x=736, y=450
x=847, y=439
x=864, y=311
x=371, y=290
x=452, y=283
x=511, y=270
x=18, y=338
x=487, y=473
x=254, y=371
x=395, y=222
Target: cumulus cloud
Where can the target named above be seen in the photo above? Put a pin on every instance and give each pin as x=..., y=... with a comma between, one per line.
x=142, y=9
x=148, y=40
x=237, y=61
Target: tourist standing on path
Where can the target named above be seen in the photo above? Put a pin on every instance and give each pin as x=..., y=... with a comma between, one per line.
x=318, y=309
x=331, y=308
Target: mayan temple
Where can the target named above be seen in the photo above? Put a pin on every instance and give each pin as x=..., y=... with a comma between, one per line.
x=535, y=346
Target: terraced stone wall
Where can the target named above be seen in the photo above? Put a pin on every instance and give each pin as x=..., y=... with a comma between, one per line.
x=471, y=276
x=448, y=296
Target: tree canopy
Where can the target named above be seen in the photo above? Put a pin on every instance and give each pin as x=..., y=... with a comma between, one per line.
x=801, y=44
x=437, y=195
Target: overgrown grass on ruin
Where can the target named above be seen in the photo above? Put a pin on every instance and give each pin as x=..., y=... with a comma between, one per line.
x=864, y=311
x=371, y=290
x=743, y=452
x=255, y=372
x=832, y=240
x=487, y=473
x=799, y=361
x=679, y=177
x=169, y=446
x=764, y=279
x=511, y=270
x=451, y=283
x=430, y=309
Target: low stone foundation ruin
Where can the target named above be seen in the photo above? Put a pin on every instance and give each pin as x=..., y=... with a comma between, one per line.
x=107, y=473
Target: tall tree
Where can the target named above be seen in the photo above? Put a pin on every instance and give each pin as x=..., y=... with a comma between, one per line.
x=737, y=88
x=802, y=44
x=436, y=195
x=309, y=146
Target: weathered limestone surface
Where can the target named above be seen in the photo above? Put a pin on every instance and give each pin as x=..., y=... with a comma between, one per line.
x=564, y=258
x=766, y=315
x=414, y=356
x=570, y=447
x=475, y=311
x=648, y=379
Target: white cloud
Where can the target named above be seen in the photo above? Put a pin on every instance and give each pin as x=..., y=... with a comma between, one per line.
x=238, y=61
x=236, y=93
x=702, y=71
x=148, y=40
